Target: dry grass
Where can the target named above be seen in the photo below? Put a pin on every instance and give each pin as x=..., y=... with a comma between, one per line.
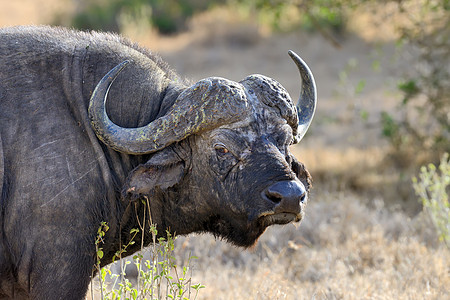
x=342, y=250
x=354, y=243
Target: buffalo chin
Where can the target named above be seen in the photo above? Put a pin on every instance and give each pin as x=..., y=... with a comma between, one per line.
x=243, y=233
x=279, y=219
x=238, y=232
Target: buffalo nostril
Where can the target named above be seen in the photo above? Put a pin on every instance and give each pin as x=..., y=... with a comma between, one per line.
x=303, y=197
x=286, y=196
x=274, y=196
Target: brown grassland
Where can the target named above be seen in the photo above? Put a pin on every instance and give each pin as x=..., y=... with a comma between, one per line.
x=364, y=235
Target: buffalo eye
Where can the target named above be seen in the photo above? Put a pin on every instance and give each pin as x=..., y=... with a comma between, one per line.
x=223, y=161
x=221, y=150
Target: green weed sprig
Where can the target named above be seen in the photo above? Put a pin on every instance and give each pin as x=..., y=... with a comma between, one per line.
x=432, y=188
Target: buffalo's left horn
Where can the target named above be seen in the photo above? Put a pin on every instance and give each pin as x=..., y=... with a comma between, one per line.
x=307, y=102
x=209, y=103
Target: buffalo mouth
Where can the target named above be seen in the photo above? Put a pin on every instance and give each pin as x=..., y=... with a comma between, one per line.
x=279, y=218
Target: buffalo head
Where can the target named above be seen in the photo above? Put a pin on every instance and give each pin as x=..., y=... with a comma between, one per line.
x=220, y=158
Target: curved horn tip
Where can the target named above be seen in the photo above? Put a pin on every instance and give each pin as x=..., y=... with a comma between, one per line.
x=96, y=110
x=307, y=102
x=299, y=61
x=109, y=78
x=294, y=55
x=119, y=68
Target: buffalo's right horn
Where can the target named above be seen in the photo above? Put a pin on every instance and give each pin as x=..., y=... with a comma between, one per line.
x=209, y=103
x=307, y=101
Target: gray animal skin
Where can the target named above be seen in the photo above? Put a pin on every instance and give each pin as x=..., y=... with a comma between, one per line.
x=78, y=148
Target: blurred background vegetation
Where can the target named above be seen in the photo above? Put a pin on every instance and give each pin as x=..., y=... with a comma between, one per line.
x=168, y=16
x=423, y=122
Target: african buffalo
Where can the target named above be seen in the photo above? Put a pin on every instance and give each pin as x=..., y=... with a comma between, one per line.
x=78, y=147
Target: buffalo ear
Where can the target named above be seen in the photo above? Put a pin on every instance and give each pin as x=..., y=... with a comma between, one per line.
x=301, y=172
x=164, y=169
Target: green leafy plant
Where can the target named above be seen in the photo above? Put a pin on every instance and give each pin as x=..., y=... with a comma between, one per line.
x=101, y=231
x=432, y=187
x=158, y=277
